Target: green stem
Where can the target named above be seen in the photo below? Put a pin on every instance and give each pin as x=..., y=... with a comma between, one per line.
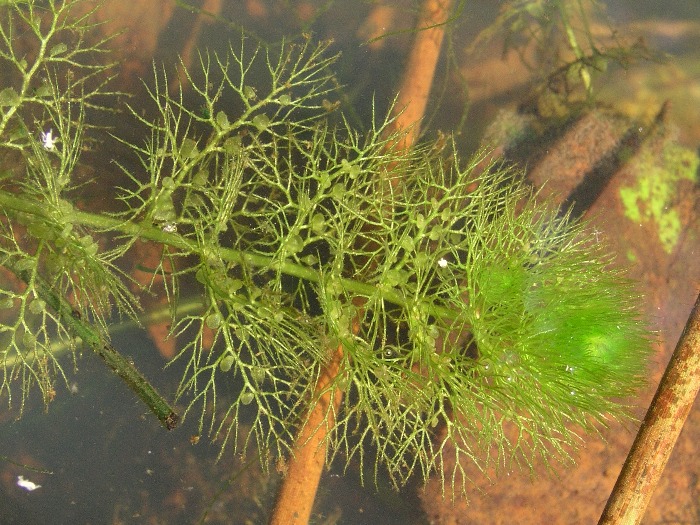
x=575, y=47
x=117, y=362
x=29, y=74
x=13, y=203
x=159, y=315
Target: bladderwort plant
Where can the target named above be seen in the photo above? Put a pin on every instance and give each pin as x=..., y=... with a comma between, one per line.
x=468, y=311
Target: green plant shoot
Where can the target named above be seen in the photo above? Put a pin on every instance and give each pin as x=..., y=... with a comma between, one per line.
x=483, y=310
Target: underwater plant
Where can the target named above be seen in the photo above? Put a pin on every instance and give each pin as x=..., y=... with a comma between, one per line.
x=461, y=302
x=564, y=44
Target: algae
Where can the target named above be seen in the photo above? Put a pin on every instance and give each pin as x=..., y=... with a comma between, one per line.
x=652, y=199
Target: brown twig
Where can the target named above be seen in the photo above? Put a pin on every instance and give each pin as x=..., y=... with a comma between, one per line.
x=208, y=12
x=420, y=70
x=298, y=492
x=659, y=431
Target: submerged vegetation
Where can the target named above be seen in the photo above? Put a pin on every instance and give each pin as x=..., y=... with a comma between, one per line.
x=564, y=46
x=460, y=301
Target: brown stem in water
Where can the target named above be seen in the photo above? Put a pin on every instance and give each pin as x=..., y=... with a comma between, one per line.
x=659, y=431
x=420, y=70
x=298, y=492
x=208, y=12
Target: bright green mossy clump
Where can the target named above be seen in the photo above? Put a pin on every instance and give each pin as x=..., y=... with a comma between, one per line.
x=652, y=198
x=553, y=322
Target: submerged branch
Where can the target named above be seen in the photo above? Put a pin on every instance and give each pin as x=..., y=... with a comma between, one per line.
x=124, y=368
x=11, y=203
x=659, y=431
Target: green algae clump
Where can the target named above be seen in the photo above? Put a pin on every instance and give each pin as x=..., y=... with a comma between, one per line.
x=652, y=198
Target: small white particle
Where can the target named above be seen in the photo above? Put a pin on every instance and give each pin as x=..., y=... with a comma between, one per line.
x=48, y=141
x=442, y=263
x=169, y=227
x=26, y=484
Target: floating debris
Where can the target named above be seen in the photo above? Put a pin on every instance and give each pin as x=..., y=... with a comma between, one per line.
x=26, y=484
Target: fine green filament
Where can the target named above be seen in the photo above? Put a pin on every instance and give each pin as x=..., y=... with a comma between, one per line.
x=482, y=309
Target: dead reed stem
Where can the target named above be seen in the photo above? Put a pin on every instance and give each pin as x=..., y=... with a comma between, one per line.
x=659, y=431
x=298, y=492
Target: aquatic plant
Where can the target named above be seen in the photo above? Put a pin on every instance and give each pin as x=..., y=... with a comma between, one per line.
x=460, y=301
x=565, y=44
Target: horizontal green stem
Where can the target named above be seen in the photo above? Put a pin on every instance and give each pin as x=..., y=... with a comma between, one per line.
x=10, y=202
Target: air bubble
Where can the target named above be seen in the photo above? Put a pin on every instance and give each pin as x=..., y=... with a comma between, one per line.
x=226, y=363
x=247, y=398
x=257, y=374
x=37, y=306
